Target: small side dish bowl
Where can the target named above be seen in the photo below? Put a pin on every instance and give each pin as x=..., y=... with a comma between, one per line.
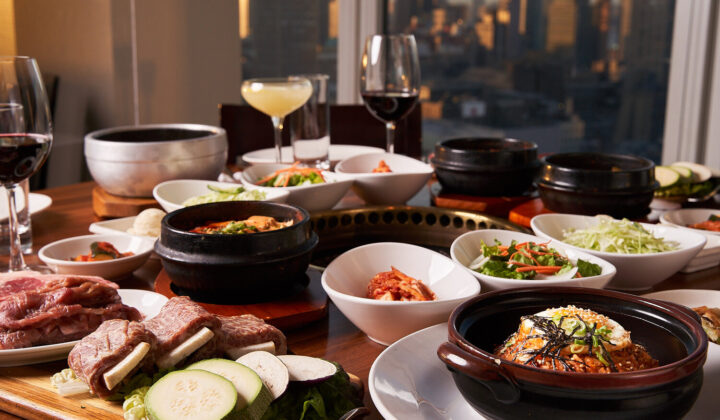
x=634, y=271
x=499, y=388
x=684, y=217
x=239, y=267
x=347, y=277
x=597, y=183
x=408, y=176
x=312, y=197
x=467, y=247
x=172, y=194
x=486, y=166
x=57, y=255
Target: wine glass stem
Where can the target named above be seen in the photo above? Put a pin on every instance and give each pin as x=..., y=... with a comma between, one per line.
x=390, y=135
x=278, y=124
x=16, y=259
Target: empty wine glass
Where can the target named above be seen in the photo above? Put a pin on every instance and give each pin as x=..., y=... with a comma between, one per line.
x=25, y=136
x=390, y=79
x=277, y=97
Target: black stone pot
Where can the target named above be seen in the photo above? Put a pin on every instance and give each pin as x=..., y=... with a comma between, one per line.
x=597, y=183
x=501, y=389
x=486, y=166
x=252, y=267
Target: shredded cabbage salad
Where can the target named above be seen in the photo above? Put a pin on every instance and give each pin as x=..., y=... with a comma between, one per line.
x=227, y=194
x=617, y=236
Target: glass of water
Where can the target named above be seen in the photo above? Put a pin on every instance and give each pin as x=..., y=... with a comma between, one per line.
x=310, y=126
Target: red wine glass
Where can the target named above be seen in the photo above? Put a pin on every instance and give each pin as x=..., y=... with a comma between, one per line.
x=25, y=136
x=390, y=79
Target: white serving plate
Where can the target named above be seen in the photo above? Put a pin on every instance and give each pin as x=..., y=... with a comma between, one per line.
x=38, y=203
x=336, y=152
x=706, y=406
x=148, y=303
x=120, y=225
x=467, y=247
x=171, y=194
x=409, y=382
x=634, y=271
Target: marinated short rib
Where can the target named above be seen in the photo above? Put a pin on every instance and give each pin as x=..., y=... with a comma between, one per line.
x=37, y=309
x=239, y=332
x=28, y=308
x=73, y=324
x=116, y=343
x=19, y=281
x=179, y=323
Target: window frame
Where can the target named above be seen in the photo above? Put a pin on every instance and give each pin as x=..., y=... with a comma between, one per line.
x=693, y=82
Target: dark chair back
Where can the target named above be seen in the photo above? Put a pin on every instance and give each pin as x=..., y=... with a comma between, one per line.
x=249, y=129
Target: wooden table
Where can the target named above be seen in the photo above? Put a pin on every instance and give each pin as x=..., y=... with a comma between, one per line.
x=333, y=338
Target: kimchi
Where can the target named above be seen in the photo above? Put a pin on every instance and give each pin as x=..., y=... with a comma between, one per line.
x=397, y=286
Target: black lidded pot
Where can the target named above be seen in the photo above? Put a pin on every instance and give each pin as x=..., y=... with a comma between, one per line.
x=486, y=166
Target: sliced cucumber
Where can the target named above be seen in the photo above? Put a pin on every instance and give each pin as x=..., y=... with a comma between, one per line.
x=666, y=176
x=686, y=175
x=253, y=396
x=270, y=369
x=701, y=173
x=191, y=394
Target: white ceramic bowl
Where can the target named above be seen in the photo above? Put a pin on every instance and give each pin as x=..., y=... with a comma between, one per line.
x=408, y=176
x=57, y=255
x=171, y=194
x=684, y=217
x=467, y=248
x=310, y=197
x=634, y=271
x=346, y=280
x=129, y=161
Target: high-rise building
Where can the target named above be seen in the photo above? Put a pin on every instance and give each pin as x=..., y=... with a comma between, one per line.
x=561, y=25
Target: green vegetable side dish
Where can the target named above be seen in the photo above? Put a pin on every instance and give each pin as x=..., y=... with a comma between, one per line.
x=618, y=236
x=225, y=194
x=528, y=261
x=293, y=180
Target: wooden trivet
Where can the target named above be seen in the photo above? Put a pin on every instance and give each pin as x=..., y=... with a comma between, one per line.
x=109, y=205
x=522, y=214
x=496, y=206
x=302, y=308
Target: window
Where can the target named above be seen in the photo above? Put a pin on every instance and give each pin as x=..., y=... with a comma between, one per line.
x=280, y=38
x=570, y=75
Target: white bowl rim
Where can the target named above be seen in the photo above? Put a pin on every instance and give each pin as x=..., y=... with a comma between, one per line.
x=665, y=219
x=699, y=239
x=278, y=192
x=426, y=168
x=44, y=257
x=529, y=282
x=375, y=302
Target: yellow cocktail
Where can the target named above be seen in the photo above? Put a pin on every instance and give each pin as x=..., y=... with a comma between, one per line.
x=277, y=97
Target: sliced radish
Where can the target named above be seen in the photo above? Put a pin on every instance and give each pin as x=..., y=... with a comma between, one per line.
x=478, y=262
x=562, y=276
x=271, y=370
x=308, y=369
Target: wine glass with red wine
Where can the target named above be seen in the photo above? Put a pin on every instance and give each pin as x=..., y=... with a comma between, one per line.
x=390, y=79
x=25, y=136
